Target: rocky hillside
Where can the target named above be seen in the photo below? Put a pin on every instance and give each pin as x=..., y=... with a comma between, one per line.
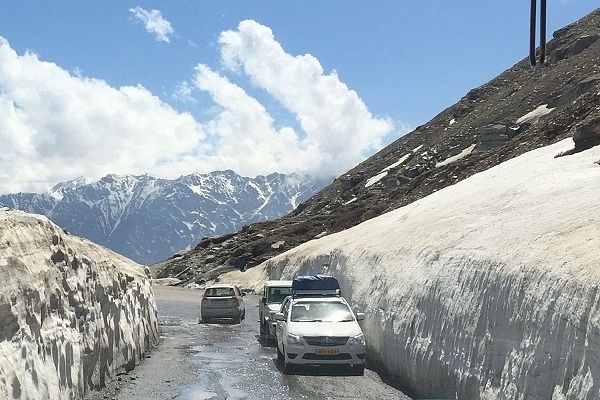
x=520, y=110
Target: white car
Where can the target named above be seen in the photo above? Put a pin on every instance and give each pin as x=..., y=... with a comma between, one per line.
x=317, y=330
x=274, y=291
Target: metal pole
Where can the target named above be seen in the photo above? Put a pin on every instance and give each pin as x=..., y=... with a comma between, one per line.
x=533, y=59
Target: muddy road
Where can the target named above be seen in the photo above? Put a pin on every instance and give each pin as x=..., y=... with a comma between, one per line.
x=223, y=360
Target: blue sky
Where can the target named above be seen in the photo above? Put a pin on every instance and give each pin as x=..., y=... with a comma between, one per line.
x=172, y=88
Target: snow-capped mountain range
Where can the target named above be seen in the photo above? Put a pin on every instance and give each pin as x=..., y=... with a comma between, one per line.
x=149, y=219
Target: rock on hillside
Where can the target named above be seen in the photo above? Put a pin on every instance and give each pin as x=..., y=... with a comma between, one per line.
x=520, y=110
x=72, y=314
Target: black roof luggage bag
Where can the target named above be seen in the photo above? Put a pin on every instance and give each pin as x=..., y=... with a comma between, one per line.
x=324, y=284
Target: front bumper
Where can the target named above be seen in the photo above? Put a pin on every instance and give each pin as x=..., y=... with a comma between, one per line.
x=220, y=312
x=309, y=354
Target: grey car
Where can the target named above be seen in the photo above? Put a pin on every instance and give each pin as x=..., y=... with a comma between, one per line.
x=222, y=301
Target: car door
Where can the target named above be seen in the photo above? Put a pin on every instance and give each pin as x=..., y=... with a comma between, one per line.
x=282, y=325
x=240, y=297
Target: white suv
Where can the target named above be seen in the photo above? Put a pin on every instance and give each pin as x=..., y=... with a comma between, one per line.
x=270, y=302
x=319, y=328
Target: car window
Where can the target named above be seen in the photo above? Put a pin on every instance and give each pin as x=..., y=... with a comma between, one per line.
x=321, y=311
x=219, y=292
x=285, y=307
x=277, y=294
x=300, y=312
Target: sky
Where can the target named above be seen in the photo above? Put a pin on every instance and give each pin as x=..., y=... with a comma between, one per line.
x=172, y=88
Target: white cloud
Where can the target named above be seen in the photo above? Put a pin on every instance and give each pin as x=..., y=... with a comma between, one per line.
x=154, y=23
x=336, y=122
x=247, y=140
x=56, y=125
x=183, y=92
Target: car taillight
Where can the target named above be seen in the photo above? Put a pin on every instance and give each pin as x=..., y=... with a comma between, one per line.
x=234, y=298
x=204, y=299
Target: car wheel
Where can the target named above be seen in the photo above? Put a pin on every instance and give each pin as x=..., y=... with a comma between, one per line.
x=263, y=328
x=287, y=367
x=358, y=370
x=279, y=354
x=238, y=319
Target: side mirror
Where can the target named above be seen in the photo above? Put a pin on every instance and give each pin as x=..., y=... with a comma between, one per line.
x=243, y=294
x=279, y=316
x=360, y=316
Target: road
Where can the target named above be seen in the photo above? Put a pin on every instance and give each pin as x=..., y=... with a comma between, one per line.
x=197, y=361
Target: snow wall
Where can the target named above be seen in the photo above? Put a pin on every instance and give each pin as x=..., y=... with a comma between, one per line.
x=487, y=289
x=72, y=314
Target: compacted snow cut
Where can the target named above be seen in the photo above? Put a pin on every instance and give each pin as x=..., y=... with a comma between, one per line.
x=72, y=314
x=487, y=289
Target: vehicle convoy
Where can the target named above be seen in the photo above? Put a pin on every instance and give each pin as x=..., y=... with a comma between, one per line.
x=222, y=301
x=316, y=326
x=225, y=361
x=274, y=291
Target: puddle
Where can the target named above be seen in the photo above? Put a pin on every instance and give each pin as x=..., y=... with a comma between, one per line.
x=197, y=393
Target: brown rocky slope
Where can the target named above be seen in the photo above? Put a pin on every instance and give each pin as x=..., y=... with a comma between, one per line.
x=518, y=111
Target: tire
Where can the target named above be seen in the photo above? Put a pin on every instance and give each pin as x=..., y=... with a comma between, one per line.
x=288, y=368
x=279, y=354
x=358, y=370
x=263, y=328
x=238, y=319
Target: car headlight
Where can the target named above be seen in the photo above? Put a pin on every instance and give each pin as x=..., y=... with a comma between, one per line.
x=357, y=340
x=293, y=339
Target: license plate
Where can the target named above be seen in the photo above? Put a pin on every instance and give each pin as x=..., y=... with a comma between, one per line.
x=219, y=303
x=327, y=352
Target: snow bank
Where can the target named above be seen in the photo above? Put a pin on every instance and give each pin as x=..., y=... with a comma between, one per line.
x=72, y=314
x=487, y=289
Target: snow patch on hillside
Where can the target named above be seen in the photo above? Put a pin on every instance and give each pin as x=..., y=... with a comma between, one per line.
x=460, y=155
x=374, y=179
x=533, y=116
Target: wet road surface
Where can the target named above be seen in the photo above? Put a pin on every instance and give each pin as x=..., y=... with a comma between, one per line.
x=223, y=360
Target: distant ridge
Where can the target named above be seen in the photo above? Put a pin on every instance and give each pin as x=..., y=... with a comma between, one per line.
x=148, y=219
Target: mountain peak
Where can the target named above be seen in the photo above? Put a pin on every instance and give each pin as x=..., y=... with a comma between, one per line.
x=149, y=219
x=59, y=190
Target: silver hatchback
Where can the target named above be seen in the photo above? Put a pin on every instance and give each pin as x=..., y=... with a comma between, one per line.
x=222, y=301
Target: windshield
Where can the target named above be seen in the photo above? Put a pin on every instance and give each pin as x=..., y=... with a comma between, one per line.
x=219, y=292
x=321, y=311
x=277, y=294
